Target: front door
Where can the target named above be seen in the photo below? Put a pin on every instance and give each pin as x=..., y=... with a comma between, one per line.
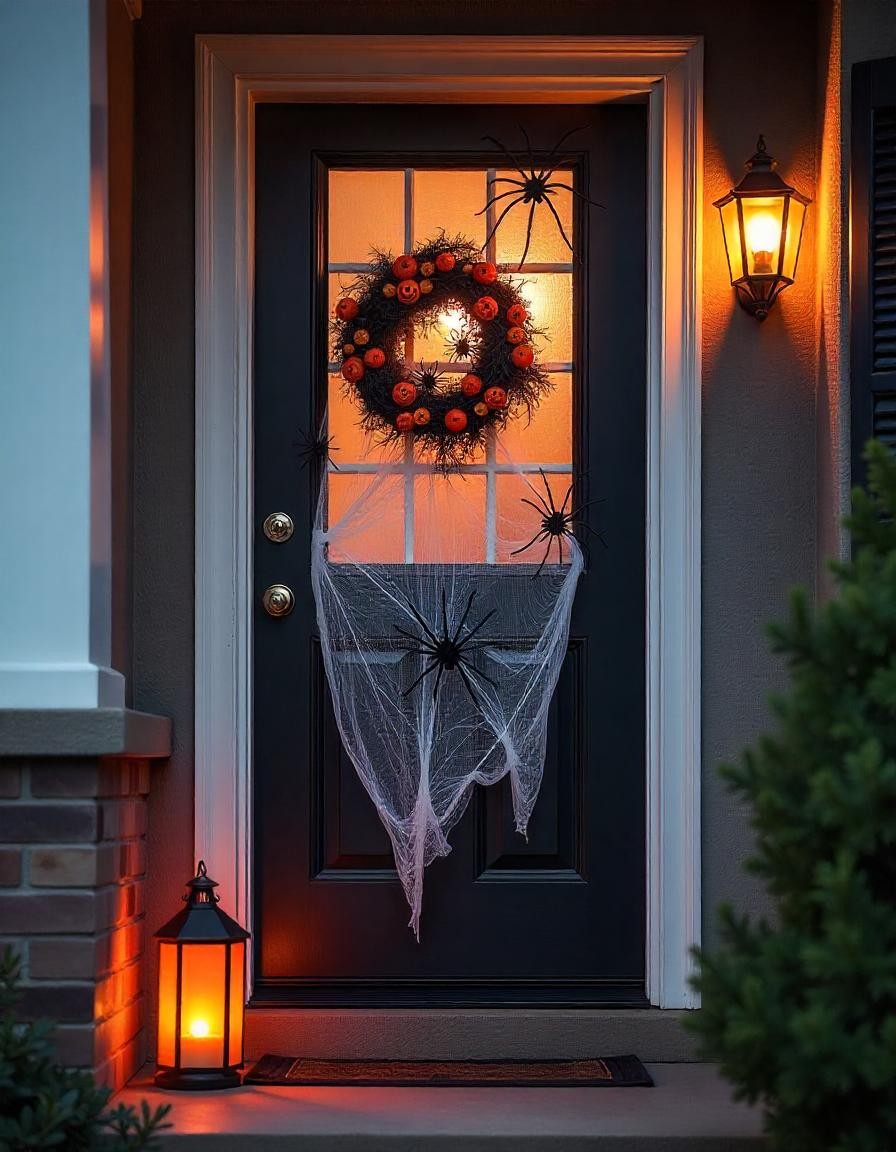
x=560, y=918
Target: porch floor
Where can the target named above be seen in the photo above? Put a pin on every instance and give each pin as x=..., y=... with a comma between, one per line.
x=690, y=1108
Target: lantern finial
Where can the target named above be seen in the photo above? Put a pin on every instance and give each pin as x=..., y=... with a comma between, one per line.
x=201, y=888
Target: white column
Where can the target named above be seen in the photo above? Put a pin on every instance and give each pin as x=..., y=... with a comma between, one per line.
x=55, y=508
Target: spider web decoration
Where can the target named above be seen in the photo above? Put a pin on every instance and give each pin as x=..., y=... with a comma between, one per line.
x=534, y=187
x=441, y=666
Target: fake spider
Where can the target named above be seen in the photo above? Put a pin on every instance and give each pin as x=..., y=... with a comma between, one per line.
x=533, y=187
x=556, y=522
x=448, y=651
x=427, y=377
x=462, y=343
x=315, y=448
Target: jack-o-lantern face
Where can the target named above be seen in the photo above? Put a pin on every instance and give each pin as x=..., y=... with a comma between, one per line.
x=516, y=336
x=522, y=355
x=346, y=308
x=485, y=308
x=404, y=393
x=353, y=369
x=445, y=261
x=408, y=291
x=516, y=314
x=495, y=397
x=471, y=384
x=404, y=267
x=404, y=421
x=455, y=420
x=374, y=357
x=484, y=272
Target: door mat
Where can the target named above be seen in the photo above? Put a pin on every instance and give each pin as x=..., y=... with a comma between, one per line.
x=302, y=1071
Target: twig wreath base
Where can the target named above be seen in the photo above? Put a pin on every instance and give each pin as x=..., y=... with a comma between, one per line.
x=400, y=294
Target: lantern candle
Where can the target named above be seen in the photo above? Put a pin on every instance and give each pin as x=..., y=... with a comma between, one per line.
x=202, y=957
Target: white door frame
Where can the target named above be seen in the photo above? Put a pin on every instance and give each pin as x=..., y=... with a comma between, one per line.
x=233, y=73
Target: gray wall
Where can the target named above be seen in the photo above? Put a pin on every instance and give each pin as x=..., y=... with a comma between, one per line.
x=759, y=415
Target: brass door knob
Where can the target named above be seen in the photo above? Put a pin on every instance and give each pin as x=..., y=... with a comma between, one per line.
x=278, y=600
x=278, y=527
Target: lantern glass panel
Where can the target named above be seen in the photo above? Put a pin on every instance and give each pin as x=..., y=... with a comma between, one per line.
x=203, y=996
x=731, y=231
x=796, y=216
x=167, y=1003
x=237, y=999
x=763, y=228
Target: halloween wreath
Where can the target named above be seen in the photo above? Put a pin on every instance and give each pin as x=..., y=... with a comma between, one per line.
x=495, y=338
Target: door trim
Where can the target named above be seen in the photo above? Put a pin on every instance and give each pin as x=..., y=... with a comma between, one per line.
x=233, y=74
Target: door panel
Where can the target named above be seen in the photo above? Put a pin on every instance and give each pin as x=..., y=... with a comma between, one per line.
x=557, y=919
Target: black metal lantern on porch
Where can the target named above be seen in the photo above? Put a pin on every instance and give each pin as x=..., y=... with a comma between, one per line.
x=202, y=976
x=762, y=221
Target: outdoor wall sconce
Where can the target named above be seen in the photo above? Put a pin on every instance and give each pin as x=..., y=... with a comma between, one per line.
x=762, y=222
x=202, y=974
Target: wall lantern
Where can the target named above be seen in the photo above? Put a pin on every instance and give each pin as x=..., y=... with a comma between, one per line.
x=202, y=974
x=762, y=220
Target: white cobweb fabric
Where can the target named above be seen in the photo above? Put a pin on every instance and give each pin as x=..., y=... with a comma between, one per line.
x=419, y=751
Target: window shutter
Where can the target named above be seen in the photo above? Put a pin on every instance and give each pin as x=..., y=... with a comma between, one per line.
x=873, y=248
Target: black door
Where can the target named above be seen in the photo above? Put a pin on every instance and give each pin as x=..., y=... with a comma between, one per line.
x=560, y=918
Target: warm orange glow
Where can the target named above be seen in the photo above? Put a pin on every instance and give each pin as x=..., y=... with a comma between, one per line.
x=763, y=238
x=199, y=1028
x=204, y=1001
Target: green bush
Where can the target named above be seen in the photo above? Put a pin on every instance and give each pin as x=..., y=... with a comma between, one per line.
x=43, y=1105
x=801, y=1012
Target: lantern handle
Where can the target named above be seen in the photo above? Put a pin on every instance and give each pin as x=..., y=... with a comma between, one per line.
x=201, y=888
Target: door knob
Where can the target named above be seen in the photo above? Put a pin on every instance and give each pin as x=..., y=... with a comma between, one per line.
x=278, y=600
x=278, y=527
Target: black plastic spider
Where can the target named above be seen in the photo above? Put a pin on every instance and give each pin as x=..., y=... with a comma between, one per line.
x=447, y=650
x=315, y=448
x=462, y=343
x=556, y=522
x=427, y=377
x=535, y=187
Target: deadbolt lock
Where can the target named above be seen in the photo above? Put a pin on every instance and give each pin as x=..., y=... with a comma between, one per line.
x=278, y=600
x=278, y=527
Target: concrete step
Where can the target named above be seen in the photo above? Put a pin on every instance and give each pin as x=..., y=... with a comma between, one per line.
x=469, y=1034
x=689, y=1110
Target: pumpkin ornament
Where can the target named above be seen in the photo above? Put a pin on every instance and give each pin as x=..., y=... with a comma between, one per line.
x=492, y=340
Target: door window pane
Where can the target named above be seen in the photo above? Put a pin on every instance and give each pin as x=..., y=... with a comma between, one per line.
x=394, y=209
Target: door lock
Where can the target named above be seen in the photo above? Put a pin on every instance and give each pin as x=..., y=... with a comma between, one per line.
x=278, y=600
x=278, y=527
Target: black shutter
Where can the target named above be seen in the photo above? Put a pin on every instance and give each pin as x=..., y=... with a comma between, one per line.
x=873, y=248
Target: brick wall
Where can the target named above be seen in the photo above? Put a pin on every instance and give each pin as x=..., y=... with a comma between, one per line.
x=72, y=864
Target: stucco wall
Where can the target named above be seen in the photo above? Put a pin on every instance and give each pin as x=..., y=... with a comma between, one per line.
x=759, y=416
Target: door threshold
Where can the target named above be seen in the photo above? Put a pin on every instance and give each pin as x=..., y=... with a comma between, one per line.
x=469, y=1033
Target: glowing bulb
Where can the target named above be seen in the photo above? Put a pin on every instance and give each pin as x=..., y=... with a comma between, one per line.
x=199, y=1028
x=763, y=237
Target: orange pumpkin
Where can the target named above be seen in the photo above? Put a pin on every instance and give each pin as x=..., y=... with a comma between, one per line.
x=374, y=357
x=471, y=384
x=346, y=308
x=421, y=416
x=495, y=397
x=408, y=291
x=516, y=336
x=484, y=272
x=404, y=393
x=522, y=355
x=404, y=267
x=455, y=420
x=516, y=314
x=485, y=308
x=353, y=369
x=404, y=421
x=445, y=261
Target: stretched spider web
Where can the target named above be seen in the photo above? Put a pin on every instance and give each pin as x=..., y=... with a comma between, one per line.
x=442, y=642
